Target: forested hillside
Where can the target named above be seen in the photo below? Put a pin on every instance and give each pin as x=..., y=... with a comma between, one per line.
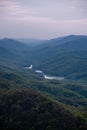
x=30, y=101
x=28, y=109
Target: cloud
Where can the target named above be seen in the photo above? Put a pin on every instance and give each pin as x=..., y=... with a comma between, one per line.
x=14, y=8
x=42, y=18
x=15, y=11
x=57, y=10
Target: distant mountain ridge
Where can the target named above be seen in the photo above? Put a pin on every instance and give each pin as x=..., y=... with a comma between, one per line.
x=65, y=56
x=12, y=51
x=30, y=42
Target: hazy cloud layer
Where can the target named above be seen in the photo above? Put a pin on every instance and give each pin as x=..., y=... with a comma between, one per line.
x=42, y=19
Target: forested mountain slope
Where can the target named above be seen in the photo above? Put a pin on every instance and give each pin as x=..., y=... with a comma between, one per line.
x=28, y=101
x=28, y=109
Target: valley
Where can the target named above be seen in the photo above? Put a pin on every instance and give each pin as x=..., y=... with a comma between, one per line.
x=43, y=65
x=44, y=75
x=44, y=84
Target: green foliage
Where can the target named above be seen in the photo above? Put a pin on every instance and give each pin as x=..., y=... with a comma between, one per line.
x=65, y=56
x=68, y=93
x=63, y=104
x=27, y=109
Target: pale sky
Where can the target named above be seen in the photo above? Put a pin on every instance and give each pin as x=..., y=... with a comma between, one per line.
x=42, y=19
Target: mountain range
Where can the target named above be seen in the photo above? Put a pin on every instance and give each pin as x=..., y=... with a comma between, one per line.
x=65, y=56
x=27, y=99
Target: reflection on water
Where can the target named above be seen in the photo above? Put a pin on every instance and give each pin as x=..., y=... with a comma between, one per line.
x=30, y=67
x=45, y=76
x=53, y=77
x=38, y=71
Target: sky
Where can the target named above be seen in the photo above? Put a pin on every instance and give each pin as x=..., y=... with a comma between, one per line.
x=42, y=19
